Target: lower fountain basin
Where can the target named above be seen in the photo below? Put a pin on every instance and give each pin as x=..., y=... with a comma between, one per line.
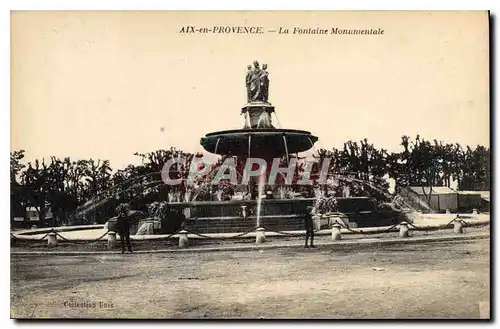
x=258, y=142
x=276, y=214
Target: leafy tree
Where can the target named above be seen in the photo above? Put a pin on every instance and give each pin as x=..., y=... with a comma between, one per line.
x=476, y=170
x=18, y=201
x=35, y=187
x=87, y=189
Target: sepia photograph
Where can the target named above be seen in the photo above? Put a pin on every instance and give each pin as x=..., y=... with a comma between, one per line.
x=250, y=165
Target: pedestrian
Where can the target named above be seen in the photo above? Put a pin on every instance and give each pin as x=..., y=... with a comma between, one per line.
x=308, y=223
x=123, y=225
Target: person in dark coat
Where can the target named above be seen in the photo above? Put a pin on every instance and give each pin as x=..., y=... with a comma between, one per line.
x=308, y=223
x=123, y=226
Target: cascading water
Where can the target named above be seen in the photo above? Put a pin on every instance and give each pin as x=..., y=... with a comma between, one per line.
x=262, y=181
x=112, y=193
x=277, y=120
x=286, y=149
x=312, y=146
x=217, y=145
x=249, y=144
x=247, y=120
x=400, y=205
x=421, y=203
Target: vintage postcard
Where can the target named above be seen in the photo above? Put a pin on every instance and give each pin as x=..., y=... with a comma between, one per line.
x=250, y=165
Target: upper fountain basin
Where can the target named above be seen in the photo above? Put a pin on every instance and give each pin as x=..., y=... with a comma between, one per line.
x=267, y=143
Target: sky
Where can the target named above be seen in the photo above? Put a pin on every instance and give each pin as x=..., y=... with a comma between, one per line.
x=105, y=85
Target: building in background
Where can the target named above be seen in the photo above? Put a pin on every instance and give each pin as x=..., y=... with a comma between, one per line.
x=443, y=198
x=479, y=200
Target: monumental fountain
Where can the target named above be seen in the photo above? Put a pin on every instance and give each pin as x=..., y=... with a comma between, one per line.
x=263, y=205
x=259, y=138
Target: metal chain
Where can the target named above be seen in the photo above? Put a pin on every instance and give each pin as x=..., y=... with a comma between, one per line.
x=81, y=242
x=436, y=227
x=368, y=232
x=24, y=239
x=282, y=232
x=199, y=234
x=244, y=233
x=341, y=223
x=159, y=238
x=466, y=223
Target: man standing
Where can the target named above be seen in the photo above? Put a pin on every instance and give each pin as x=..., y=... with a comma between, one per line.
x=308, y=221
x=123, y=225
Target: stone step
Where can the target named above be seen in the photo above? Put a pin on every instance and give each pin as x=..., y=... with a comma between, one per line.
x=252, y=224
x=240, y=228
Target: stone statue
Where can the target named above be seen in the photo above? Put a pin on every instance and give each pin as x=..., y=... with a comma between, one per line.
x=264, y=120
x=247, y=82
x=264, y=83
x=257, y=82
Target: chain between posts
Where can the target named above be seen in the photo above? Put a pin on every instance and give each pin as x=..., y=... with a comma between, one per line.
x=159, y=238
x=229, y=237
x=341, y=223
x=436, y=227
x=282, y=232
x=24, y=239
x=390, y=229
x=81, y=242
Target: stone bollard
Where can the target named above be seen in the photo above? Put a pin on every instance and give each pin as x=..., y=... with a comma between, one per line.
x=448, y=211
x=51, y=239
x=260, y=237
x=336, y=232
x=183, y=239
x=112, y=240
x=475, y=212
x=403, y=230
x=458, y=226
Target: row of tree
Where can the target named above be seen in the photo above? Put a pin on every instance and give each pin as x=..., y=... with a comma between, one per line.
x=88, y=190
x=420, y=162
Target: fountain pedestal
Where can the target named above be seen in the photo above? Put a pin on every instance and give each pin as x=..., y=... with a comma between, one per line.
x=259, y=115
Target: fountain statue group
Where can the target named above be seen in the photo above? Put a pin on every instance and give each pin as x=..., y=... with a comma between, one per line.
x=257, y=83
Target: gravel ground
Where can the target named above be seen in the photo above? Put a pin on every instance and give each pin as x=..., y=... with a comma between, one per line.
x=432, y=280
